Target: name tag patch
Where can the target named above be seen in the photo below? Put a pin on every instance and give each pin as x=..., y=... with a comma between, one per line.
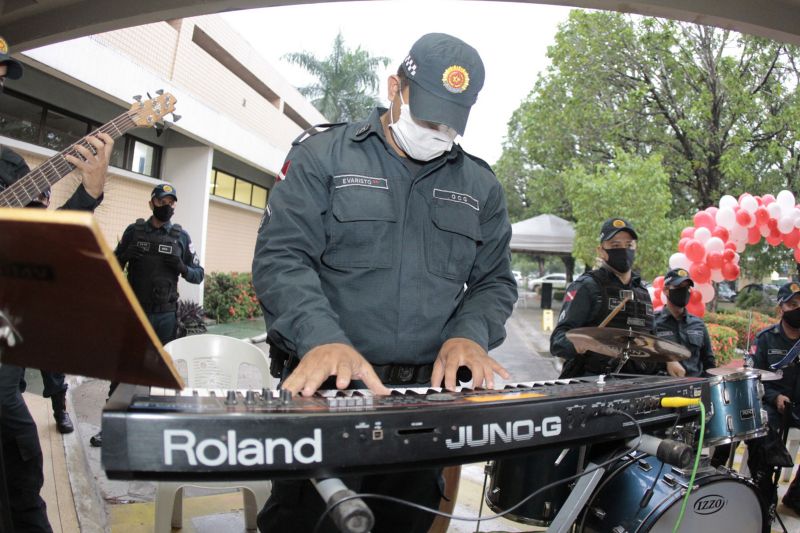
x=457, y=197
x=165, y=249
x=354, y=180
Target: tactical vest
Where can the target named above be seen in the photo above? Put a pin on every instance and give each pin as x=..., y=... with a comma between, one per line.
x=153, y=281
x=637, y=313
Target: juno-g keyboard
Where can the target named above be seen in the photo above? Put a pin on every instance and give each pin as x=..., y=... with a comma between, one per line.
x=162, y=434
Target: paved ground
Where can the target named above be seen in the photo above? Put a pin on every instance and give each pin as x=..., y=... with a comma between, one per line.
x=127, y=507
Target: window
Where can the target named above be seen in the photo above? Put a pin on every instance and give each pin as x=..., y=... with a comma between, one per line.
x=143, y=158
x=226, y=186
x=20, y=119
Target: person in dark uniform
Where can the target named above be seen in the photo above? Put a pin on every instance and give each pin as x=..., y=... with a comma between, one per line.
x=595, y=294
x=157, y=252
x=677, y=325
x=773, y=346
x=21, y=453
x=383, y=257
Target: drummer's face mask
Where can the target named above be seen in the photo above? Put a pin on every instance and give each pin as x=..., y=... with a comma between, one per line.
x=620, y=259
x=792, y=317
x=679, y=296
x=421, y=141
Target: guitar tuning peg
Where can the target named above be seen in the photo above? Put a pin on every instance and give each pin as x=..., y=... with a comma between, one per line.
x=160, y=92
x=148, y=96
x=159, y=129
x=176, y=117
x=138, y=97
x=168, y=124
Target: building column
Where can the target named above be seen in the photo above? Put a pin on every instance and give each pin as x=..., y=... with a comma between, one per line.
x=188, y=169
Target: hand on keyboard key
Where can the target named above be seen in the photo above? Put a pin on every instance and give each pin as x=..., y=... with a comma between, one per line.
x=459, y=352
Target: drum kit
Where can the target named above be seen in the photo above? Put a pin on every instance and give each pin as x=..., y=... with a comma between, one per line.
x=640, y=493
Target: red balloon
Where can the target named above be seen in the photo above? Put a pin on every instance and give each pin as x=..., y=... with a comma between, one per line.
x=797, y=255
x=762, y=215
x=774, y=240
x=722, y=233
x=682, y=244
x=658, y=283
x=759, y=200
x=730, y=246
x=753, y=235
x=687, y=233
x=772, y=224
x=791, y=239
x=730, y=271
x=695, y=296
x=696, y=309
x=714, y=260
x=695, y=251
x=728, y=255
x=767, y=199
x=704, y=220
x=657, y=296
x=699, y=272
x=743, y=218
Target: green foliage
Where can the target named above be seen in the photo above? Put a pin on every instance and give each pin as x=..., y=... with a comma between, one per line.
x=616, y=191
x=230, y=297
x=756, y=301
x=191, y=318
x=347, y=81
x=723, y=342
x=740, y=322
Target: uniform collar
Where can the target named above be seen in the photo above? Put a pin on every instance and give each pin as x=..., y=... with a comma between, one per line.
x=667, y=313
x=166, y=227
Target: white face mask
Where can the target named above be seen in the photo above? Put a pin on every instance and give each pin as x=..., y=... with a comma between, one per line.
x=417, y=141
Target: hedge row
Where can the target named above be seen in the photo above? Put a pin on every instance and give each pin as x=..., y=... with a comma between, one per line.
x=229, y=297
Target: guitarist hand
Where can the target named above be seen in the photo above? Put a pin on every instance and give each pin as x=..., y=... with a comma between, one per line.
x=93, y=163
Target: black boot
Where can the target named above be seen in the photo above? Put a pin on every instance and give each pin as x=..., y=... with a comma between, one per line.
x=792, y=497
x=97, y=440
x=63, y=422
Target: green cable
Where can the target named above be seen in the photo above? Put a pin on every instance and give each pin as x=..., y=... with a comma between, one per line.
x=694, y=468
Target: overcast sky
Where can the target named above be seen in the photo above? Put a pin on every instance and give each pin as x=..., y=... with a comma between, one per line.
x=512, y=39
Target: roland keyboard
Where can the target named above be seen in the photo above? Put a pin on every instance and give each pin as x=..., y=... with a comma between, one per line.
x=158, y=434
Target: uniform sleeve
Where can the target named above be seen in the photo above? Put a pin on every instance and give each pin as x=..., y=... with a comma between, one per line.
x=576, y=313
x=122, y=246
x=491, y=287
x=707, y=352
x=760, y=360
x=82, y=200
x=286, y=263
x=194, y=272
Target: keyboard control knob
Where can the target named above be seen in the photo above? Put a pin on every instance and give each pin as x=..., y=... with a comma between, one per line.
x=230, y=399
x=250, y=398
x=286, y=396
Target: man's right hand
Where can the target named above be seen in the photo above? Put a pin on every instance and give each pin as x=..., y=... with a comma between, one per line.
x=132, y=253
x=781, y=402
x=335, y=359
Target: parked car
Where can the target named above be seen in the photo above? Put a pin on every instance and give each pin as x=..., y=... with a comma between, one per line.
x=725, y=293
x=518, y=277
x=559, y=281
x=768, y=292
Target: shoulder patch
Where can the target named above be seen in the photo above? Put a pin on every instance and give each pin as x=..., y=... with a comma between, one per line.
x=478, y=160
x=313, y=130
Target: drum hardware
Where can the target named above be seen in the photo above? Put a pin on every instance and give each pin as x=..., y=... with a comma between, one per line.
x=351, y=515
x=620, y=343
x=735, y=412
x=765, y=375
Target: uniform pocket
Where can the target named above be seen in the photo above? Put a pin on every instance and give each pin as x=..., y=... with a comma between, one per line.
x=452, y=240
x=362, y=228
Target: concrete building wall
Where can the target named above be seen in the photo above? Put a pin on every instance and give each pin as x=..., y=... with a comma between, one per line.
x=231, y=237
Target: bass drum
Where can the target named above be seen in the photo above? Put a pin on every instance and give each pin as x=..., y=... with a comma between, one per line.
x=721, y=501
x=516, y=478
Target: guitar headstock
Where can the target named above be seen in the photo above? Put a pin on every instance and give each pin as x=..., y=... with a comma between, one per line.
x=151, y=112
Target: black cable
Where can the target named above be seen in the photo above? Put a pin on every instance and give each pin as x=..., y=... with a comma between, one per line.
x=606, y=411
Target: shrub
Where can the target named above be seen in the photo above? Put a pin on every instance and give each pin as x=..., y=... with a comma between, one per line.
x=230, y=297
x=723, y=342
x=191, y=318
x=756, y=301
x=740, y=322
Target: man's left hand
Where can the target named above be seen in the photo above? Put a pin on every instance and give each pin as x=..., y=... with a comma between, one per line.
x=175, y=263
x=93, y=164
x=459, y=352
x=675, y=369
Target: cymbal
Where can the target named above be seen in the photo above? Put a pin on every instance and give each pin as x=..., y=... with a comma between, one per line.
x=612, y=342
x=766, y=375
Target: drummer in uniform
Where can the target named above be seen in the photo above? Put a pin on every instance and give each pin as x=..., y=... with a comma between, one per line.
x=674, y=323
x=774, y=352
x=596, y=294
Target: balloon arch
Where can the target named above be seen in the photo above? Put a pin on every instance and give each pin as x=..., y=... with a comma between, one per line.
x=710, y=249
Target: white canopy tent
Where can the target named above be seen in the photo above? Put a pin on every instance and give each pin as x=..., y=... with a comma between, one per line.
x=543, y=235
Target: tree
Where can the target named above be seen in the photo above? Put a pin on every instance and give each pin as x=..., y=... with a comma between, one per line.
x=347, y=81
x=721, y=110
x=615, y=190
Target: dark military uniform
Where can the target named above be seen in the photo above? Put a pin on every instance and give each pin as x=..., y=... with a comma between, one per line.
x=22, y=455
x=587, y=302
x=688, y=331
x=362, y=247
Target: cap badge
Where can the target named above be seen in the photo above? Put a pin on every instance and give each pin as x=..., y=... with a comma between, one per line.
x=618, y=223
x=795, y=287
x=411, y=67
x=166, y=188
x=455, y=79
x=682, y=273
x=3, y=46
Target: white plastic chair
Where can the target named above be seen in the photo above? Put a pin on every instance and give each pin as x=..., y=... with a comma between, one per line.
x=212, y=361
x=793, y=445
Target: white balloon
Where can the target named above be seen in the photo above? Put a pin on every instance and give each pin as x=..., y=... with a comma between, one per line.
x=663, y=298
x=797, y=223
x=702, y=235
x=679, y=260
x=714, y=244
x=716, y=275
x=748, y=203
x=736, y=259
x=785, y=224
x=764, y=230
x=727, y=202
x=738, y=233
x=795, y=214
x=775, y=210
x=707, y=290
x=726, y=218
x=652, y=291
x=785, y=199
x=740, y=246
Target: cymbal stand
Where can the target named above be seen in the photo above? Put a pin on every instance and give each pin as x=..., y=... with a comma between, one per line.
x=625, y=354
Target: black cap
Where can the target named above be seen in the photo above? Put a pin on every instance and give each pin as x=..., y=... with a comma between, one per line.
x=164, y=190
x=676, y=276
x=612, y=226
x=787, y=291
x=445, y=76
x=14, y=67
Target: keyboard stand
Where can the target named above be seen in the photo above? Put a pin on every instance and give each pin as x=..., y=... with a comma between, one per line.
x=577, y=500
